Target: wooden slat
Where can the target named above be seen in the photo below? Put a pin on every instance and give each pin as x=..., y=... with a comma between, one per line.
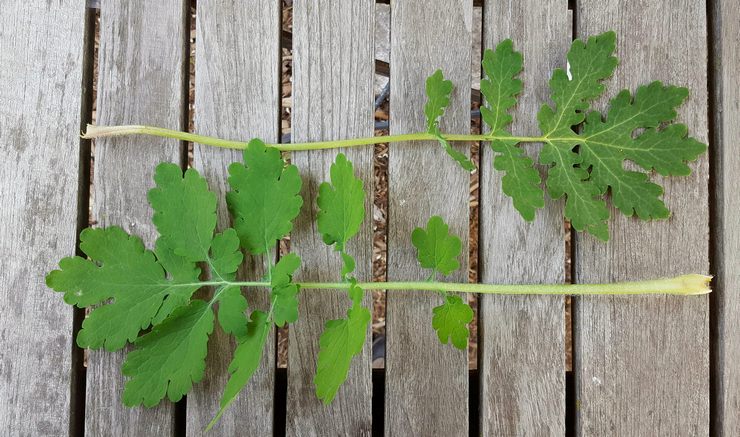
x=726, y=23
x=41, y=48
x=426, y=382
x=642, y=363
x=236, y=96
x=332, y=98
x=522, y=355
x=140, y=82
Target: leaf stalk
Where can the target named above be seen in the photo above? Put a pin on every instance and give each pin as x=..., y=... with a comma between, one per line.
x=94, y=131
x=684, y=285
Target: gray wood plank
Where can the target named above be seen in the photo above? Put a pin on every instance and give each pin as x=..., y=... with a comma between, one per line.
x=522, y=351
x=236, y=96
x=426, y=382
x=333, y=68
x=41, y=49
x=140, y=82
x=642, y=363
x=726, y=113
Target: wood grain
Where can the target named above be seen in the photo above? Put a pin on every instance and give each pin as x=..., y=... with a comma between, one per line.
x=236, y=96
x=426, y=382
x=41, y=48
x=521, y=356
x=140, y=82
x=332, y=99
x=642, y=363
x=726, y=234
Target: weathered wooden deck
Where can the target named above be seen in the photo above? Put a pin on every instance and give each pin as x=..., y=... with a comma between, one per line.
x=648, y=366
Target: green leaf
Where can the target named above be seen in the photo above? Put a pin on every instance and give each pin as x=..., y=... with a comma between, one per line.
x=457, y=155
x=341, y=204
x=348, y=265
x=606, y=144
x=500, y=85
x=169, y=359
x=590, y=63
x=341, y=340
x=354, y=292
x=438, y=98
x=225, y=257
x=284, y=293
x=592, y=163
x=521, y=181
x=120, y=270
x=437, y=249
x=184, y=211
x=264, y=197
x=247, y=357
x=231, y=311
x=138, y=287
x=451, y=320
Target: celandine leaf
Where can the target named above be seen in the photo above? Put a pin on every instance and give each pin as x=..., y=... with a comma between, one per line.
x=521, y=181
x=184, y=211
x=341, y=204
x=246, y=360
x=455, y=154
x=264, y=197
x=140, y=288
x=438, y=98
x=588, y=165
x=589, y=63
x=137, y=288
x=500, y=86
x=231, y=311
x=225, y=256
x=438, y=91
x=341, y=340
x=170, y=358
x=120, y=270
x=451, y=320
x=437, y=249
x=606, y=144
x=284, y=294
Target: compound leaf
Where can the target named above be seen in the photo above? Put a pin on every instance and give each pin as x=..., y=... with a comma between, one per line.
x=438, y=98
x=138, y=287
x=121, y=269
x=341, y=204
x=264, y=197
x=170, y=358
x=437, y=249
x=451, y=319
x=341, y=340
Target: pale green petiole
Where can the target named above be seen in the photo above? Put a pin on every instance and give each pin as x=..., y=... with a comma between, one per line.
x=113, y=131
x=686, y=285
